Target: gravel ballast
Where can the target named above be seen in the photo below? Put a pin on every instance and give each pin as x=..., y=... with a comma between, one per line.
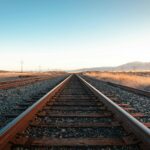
x=49, y=120
x=133, y=147
x=75, y=132
x=11, y=98
x=140, y=103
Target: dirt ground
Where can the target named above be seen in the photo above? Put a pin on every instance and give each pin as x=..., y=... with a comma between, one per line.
x=7, y=76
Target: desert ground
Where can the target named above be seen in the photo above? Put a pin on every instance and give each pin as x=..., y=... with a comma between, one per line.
x=9, y=76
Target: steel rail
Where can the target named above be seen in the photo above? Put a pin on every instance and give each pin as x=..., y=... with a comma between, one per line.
x=130, y=89
x=136, y=127
x=20, y=122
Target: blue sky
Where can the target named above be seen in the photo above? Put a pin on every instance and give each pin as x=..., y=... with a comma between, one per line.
x=70, y=34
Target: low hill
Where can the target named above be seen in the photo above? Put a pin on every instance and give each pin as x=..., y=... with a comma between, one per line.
x=132, y=66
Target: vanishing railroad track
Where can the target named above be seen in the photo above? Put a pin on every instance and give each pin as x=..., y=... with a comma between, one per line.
x=20, y=82
x=74, y=115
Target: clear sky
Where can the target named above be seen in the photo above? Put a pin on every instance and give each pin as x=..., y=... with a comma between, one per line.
x=71, y=34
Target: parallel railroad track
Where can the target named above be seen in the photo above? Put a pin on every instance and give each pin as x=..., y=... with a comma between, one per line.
x=74, y=115
x=21, y=82
x=127, y=88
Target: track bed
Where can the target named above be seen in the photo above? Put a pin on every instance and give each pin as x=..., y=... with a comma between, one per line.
x=75, y=118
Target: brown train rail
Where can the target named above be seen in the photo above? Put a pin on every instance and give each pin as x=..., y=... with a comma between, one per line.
x=74, y=115
x=20, y=82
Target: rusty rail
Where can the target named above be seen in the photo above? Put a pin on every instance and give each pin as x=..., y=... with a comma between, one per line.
x=130, y=89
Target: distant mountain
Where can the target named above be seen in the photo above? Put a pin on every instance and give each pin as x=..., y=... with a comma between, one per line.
x=132, y=66
x=93, y=69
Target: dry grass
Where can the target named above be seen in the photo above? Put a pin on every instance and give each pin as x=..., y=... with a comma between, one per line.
x=135, y=81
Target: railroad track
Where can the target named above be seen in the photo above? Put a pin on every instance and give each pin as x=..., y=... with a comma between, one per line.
x=126, y=88
x=21, y=82
x=74, y=115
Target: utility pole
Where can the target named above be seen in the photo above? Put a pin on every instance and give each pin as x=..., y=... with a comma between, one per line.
x=39, y=68
x=21, y=65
